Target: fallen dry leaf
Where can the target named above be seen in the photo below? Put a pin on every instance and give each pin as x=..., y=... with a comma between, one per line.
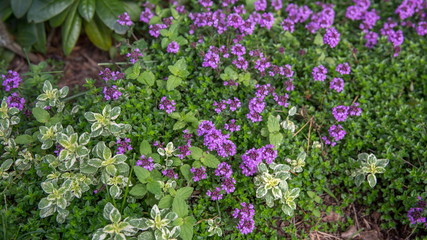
x=332, y=217
x=350, y=233
x=370, y=235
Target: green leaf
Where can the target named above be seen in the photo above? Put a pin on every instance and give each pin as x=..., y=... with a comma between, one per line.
x=179, y=125
x=196, y=152
x=179, y=68
x=59, y=19
x=139, y=190
x=43, y=10
x=273, y=124
x=165, y=202
x=133, y=72
x=98, y=34
x=41, y=115
x=186, y=231
x=154, y=188
x=185, y=170
x=24, y=139
x=145, y=148
x=184, y=192
x=141, y=173
x=318, y=40
x=372, y=180
x=70, y=32
x=276, y=139
x=147, y=78
x=210, y=161
x=180, y=207
x=87, y=9
x=147, y=235
x=108, y=11
x=173, y=82
x=20, y=7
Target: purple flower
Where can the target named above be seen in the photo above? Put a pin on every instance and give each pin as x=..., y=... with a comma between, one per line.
x=288, y=25
x=211, y=59
x=245, y=215
x=354, y=110
x=234, y=104
x=337, y=84
x=238, y=50
x=223, y=170
x=415, y=215
x=354, y=13
x=337, y=132
x=107, y=75
x=184, y=150
x=228, y=185
x=240, y=63
x=146, y=162
x=231, y=126
x=198, y=173
x=250, y=161
x=269, y=154
x=146, y=15
x=260, y=5
x=257, y=104
x=167, y=105
x=111, y=93
x=372, y=39
x=277, y=4
x=343, y=68
x=134, y=55
x=154, y=30
x=220, y=106
x=226, y=148
x=331, y=37
x=421, y=28
x=340, y=113
x=173, y=47
x=58, y=149
x=124, y=19
x=267, y=20
x=281, y=100
x=319, y=73
x=289, y=85
x=123, y=146
x=396, y=37
x=170, y=173
x=234, y=20
x=15, y=101
x=11, y=80
x=254, y=117
x=205, y=127
x=246, y=226
x=215, y=194
x=231, y=83
x=262, y=64
x=206, y=3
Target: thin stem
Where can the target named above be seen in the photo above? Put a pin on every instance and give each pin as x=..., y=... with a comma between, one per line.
x=301, y=128
x=74, y=96
x=127, y=186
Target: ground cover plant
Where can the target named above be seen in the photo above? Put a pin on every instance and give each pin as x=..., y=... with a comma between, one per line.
x=232, y=119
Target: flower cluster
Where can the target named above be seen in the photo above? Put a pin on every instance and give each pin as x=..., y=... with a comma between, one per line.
x=331, y=37
x=167, y=105
x=232, y=126
x=146, y=15
x=343, y=68
x=418, y=214
x=252, y=157
x=222, y=105
x=360, y=12
x=145, y=162
x=337, y=84
x=198, y=173
x=173, y=47
x=123, y=146
x=319, y=73
x=215, y=140
x=154, y=30
x=134, y=55
x=245, y=215
x=170, y=173
x=342, y=112
x=108, y=75
x=184, y=150
x=323, y=19
x=227, y=182
x=111, y=93
x=11, y=80
x=336, y=133
x=15, y=101
x=124, y=19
